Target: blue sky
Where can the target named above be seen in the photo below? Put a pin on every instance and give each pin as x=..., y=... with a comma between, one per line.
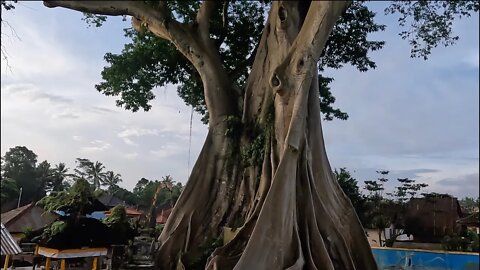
x=416, y=118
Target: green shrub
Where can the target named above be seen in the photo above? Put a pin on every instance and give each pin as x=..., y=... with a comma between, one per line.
x=467, y=243
x=206, y=249
x=27, y=233
x=118, y=215
x=54, y=229
x=159, y=229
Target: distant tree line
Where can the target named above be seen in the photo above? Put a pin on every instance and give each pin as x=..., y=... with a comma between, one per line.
x=21, y=173
x=376, y=208
x=470, y=204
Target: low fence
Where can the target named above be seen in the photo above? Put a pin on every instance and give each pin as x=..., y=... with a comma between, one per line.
x=398, y=258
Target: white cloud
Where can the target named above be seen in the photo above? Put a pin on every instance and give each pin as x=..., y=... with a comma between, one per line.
x=137, y=132
x=30, y=92
x=472, y=58
x=65, y=115
x=37, y=52
x=131, y=155
x=24, y=99
x=95, y=147
x=126, y=134
x=169, y=150
x=461, y=185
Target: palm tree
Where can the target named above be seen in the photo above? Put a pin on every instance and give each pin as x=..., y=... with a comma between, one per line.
x=60, y=172
x=111, y=180
x=96, y=174
x=93, y=172
x=44, y=176
x=167, y=182
x=83, y=166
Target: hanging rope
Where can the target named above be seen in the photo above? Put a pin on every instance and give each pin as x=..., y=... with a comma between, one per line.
x=190, y=140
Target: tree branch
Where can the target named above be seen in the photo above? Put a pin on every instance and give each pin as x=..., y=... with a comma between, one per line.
x=319, y=22
x=112, y=8
x=203, y=18
x=196, y=46
x=225, y=13
x=293, y=77
x=162, y=6
x=308, y=45
x=223, y=34
x=155, y=20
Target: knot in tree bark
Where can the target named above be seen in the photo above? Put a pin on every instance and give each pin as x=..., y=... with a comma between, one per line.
x=282, y=14
x=276, y=84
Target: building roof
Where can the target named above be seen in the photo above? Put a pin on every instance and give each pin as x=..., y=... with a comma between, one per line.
x=133, y=212
x=163, y=215
x=110, y=200
x=8, y=244
x=471, y=220
x=28, y=216
x=130, y=212
x=11, y=215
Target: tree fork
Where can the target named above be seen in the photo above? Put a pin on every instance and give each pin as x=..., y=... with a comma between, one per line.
x=268, y=243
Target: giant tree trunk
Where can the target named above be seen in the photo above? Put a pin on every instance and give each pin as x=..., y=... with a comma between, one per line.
x=292, y=212
x=263, y=167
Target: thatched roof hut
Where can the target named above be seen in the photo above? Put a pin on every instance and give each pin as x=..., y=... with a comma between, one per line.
x=429, y=219
x=28, y=216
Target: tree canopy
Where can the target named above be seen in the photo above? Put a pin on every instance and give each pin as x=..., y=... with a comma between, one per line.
x=76, y=201
x=148, y=61
x=349, y=185
x=20, y=164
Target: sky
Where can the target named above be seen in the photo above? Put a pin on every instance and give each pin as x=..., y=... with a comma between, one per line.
x=415, y=118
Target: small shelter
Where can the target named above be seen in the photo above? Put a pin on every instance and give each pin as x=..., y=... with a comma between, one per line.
x=29, y=216
x=429, y=219
x=65, y=254
x=80, y=238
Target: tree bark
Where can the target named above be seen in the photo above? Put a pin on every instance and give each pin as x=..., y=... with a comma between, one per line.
x=263, y=168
